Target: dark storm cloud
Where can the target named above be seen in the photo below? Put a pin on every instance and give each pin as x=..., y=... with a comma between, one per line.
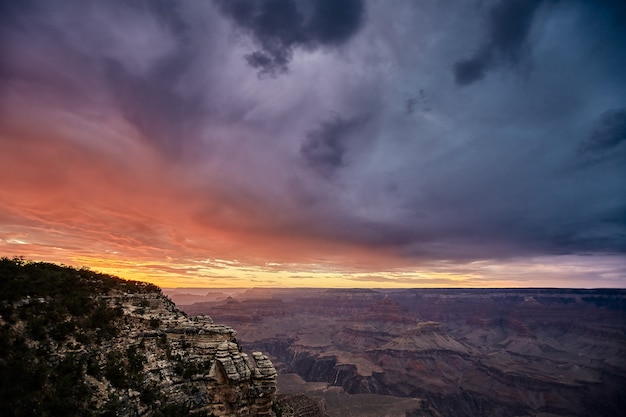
x=508, y=25
x=410, y=164
x=420, y=103
x=325, y=147
x=281, y=26
x=609, y=131
x=606, y=234
x=468, y=71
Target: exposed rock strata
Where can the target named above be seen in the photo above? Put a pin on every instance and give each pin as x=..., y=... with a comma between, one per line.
x=488, y=353
x=123, y=350
x=194, y=355
x=299, y=405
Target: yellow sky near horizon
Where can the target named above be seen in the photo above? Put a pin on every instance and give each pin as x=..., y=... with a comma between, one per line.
x=218, y=273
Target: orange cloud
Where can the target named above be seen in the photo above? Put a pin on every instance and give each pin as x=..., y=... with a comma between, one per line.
x=111, y=202
x=104, y=198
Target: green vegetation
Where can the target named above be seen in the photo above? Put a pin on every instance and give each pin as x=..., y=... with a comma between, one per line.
x=44, y=307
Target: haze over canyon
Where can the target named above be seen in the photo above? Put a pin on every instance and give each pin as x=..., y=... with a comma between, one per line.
x=435, y=352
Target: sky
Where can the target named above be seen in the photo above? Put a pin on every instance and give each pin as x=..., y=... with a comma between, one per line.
x=326, y=143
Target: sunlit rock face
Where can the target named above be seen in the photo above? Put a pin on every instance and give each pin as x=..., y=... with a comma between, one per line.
x=129, y=352
x=196, y=362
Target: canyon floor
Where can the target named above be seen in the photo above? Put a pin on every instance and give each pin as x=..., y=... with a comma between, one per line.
x=434, y=352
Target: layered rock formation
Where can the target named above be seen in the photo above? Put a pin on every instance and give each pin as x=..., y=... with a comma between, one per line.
x=128, y=349
x=487, y=353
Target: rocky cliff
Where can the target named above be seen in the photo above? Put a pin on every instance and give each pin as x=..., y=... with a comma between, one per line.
x=74, y=342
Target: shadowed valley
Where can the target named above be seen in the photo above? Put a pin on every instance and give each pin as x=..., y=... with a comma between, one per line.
x=435, y=352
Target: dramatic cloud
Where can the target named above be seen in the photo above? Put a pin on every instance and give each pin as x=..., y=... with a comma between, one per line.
x=325, y=147
x=187, y=142
x=609, y=131
x=508, y=26
x=280, y=26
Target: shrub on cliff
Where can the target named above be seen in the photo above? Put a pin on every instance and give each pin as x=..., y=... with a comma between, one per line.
x=43, y=307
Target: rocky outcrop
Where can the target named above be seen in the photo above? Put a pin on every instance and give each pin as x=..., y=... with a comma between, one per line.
x=122, y=348
x=299, y=405
x=194, y=361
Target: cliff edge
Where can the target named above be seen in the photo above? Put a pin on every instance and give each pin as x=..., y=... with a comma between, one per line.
x=76, y=342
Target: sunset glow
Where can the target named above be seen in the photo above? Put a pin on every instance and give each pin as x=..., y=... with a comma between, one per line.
x=179, y=147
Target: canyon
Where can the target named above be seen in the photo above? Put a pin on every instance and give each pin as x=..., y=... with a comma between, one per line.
x=75, y=342
x=434, y=352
